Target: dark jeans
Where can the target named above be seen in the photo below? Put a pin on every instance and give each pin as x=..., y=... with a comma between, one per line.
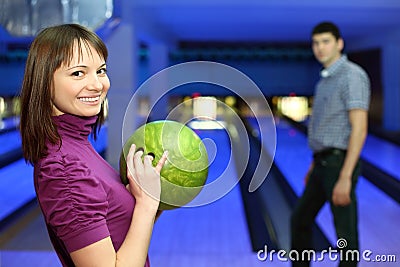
x=319, y=190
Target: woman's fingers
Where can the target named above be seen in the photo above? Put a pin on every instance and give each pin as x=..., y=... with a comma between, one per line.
x=145, y=182
x=151, y=181
x=129, y=161
x=141, y=170
x=138, y=163
x=162, y=161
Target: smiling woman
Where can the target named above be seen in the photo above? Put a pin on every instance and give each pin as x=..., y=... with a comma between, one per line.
x=91, y=217
x=46, y=78
x=81, y=86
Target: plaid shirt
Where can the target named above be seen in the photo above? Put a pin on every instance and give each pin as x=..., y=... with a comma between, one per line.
x=342, y=87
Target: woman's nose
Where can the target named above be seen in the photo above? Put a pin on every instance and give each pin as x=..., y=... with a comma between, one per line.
x=94, y=83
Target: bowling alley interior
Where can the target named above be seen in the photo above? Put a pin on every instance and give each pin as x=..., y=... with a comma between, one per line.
x=242, y=75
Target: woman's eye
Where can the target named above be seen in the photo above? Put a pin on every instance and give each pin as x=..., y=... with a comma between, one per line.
x=77, y=73
x=102, y=71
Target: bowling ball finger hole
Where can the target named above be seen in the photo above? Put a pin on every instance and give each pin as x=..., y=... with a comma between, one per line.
x=140, y=149
x=151, y=154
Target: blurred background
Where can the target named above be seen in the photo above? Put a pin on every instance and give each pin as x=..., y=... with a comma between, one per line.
x=267, y=41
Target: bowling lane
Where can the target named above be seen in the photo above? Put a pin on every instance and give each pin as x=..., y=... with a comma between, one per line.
x=10, y=147
x=211, y=235
x=8, y=124
x=9, y=141
x=378, y=213
x=382, y=154
x=16, y=185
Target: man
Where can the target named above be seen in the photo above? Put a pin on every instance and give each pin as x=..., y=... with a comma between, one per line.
x=336, y=135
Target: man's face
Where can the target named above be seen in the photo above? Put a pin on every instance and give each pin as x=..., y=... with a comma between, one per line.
x=326, y=48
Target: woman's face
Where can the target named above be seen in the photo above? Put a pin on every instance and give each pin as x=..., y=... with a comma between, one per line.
x=81, y=86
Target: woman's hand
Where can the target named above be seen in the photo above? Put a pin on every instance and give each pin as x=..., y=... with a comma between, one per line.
x=144, y=179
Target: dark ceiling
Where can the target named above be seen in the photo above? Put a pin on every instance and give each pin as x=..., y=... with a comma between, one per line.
x=214, y=21
x=272, y=21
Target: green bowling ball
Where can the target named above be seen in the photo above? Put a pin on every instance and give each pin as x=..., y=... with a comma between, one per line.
x=185, y=171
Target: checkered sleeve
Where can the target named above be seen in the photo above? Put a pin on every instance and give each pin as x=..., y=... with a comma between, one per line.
x=358, y=89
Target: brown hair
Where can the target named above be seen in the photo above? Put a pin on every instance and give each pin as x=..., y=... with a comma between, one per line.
x=52, y=48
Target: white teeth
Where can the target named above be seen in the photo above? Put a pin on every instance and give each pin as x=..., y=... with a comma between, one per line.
x=89, y=99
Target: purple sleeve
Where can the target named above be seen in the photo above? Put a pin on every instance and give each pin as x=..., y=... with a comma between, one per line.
x=74, y=203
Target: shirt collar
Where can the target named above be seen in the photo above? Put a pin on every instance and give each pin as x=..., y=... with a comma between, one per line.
x=332, y=69
x=77, y=127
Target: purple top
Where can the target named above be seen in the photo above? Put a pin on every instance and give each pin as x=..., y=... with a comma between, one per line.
x=80, y=194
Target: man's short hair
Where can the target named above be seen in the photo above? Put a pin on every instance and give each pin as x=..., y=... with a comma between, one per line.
x=327, y=27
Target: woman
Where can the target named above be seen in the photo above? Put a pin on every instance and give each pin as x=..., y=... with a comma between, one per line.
x=92, y=219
